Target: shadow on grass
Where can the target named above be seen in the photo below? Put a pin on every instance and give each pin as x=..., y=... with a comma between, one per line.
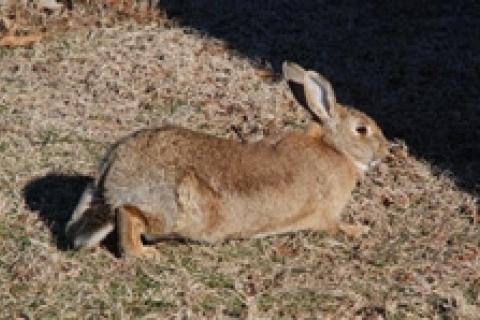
x=412, y=65
x=54, y=197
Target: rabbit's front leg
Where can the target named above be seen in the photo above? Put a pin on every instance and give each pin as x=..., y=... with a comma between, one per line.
x=131, y=224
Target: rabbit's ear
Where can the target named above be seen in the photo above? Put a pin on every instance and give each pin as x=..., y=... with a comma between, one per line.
x=295, y=76
x=319, y=95
x=311, y=90
x=293, y=72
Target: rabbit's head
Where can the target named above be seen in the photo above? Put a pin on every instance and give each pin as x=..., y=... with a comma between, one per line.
x=345, y=129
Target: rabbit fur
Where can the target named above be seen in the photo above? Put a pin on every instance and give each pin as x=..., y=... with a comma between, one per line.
x=174, y=182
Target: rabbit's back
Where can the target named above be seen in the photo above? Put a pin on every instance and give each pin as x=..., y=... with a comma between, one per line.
x=153, y=157
x=231, y=189
x=147, y=167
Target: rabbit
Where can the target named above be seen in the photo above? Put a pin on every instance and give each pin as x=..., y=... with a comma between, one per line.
x=173, y=182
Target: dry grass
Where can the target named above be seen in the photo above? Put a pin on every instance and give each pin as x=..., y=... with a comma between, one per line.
x=65, y=99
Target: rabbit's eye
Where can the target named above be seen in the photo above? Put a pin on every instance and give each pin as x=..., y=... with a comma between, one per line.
x=362, y=130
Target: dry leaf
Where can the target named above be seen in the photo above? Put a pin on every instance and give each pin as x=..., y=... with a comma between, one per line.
x=283, y=250
x=264, y=73
x=20, y=41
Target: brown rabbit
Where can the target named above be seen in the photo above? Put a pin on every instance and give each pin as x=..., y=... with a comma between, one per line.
x=174, y=182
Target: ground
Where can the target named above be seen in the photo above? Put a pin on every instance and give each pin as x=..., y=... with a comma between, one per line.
x=101, y=72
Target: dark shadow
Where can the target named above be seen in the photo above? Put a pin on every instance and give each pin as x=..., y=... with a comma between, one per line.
x=412, y=65
x=54, y=198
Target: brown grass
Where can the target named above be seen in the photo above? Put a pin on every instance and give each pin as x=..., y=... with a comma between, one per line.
x=63, y=100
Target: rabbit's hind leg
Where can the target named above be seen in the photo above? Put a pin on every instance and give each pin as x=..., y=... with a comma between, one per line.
x=131, y=224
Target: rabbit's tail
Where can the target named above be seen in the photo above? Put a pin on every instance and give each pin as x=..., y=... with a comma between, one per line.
x=91, y=221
